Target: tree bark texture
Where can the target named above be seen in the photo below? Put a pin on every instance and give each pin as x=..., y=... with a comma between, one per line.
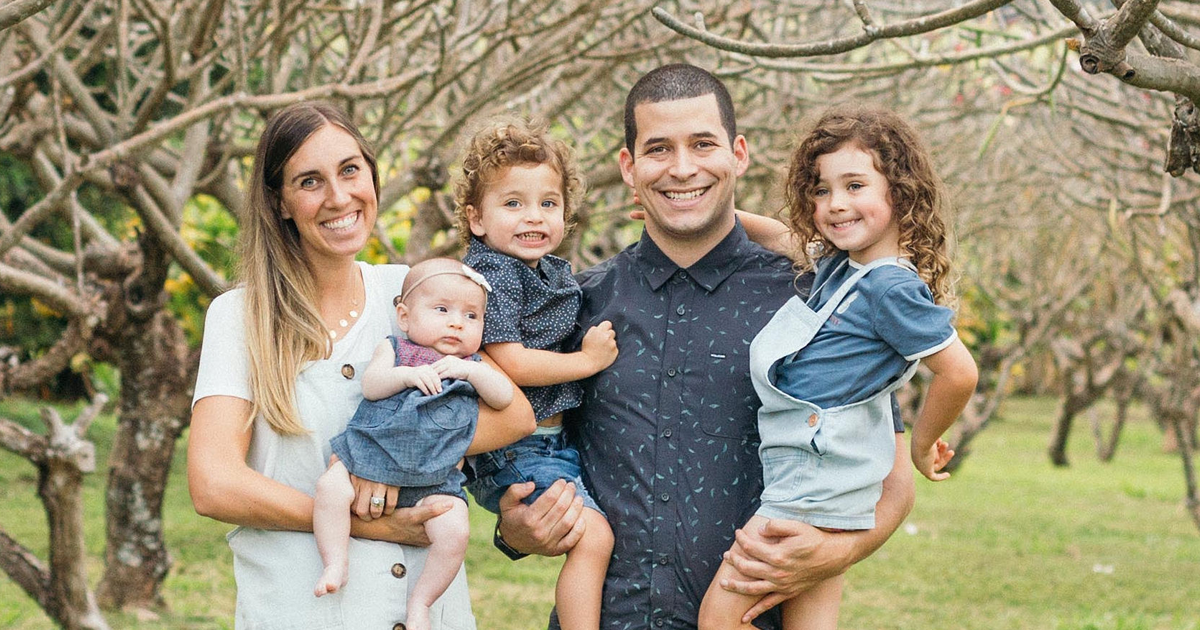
x=156, y=384
x=61, y=457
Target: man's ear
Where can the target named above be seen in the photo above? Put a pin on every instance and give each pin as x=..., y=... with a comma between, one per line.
x=474, y=221
x=741, y=153
x=625, y=161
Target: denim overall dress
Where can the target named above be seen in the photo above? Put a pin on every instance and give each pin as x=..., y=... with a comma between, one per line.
x=824, y=467
x=412, y=440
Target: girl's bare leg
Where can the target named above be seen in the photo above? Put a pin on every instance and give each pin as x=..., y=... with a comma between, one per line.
x=581, y=581
x=331, y=526
x=815, y=609
x=722, y=609
x=448, y=535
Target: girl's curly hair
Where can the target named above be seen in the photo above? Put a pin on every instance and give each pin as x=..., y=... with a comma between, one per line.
x=918, y=196
x=510, y=142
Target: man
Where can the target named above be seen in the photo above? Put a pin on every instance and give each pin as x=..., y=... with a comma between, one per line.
x=667, y=434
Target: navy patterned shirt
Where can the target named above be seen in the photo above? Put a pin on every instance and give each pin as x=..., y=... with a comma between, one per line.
x=535, y=307
x=668, y=434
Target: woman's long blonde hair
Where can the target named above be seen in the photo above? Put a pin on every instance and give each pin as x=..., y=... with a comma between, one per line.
x=284, y=329
x=918, y=196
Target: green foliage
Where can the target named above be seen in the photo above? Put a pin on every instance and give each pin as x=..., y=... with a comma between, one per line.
x=1009, y=542
x=210, y=230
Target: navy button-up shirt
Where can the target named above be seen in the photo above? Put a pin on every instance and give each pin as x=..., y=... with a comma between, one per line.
x=668, y=434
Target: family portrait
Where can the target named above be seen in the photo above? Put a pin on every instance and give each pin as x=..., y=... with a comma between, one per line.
x=456, y=315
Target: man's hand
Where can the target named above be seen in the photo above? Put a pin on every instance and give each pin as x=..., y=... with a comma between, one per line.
x=549, y=527
x=782, y=558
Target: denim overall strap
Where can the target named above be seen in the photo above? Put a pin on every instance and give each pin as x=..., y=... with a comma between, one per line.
x=821, y=466
x=790, y=330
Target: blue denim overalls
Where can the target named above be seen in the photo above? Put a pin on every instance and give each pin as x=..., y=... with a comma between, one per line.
x=824, y=467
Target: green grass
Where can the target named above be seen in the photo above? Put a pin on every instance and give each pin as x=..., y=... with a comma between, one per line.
x=1009, y=542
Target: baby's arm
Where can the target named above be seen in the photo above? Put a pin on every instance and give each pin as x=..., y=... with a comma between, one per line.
x=383, y=378
x=493, y=389
x=528, y=367
x=954, y=379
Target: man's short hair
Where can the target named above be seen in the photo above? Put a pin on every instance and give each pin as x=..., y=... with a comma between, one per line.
x=676, y=82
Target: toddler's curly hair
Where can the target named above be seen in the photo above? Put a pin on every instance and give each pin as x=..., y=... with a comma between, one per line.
x=510, y=142
x=919, y=199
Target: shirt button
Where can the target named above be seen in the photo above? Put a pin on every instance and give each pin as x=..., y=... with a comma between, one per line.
x=680, y=310
x=671, y=372
x=665, y=497
x=667, y=433
x=348, y=371
x=812, y=420
x=664, y=560
x=658, y=622
x=399, y=626
x=399, y=570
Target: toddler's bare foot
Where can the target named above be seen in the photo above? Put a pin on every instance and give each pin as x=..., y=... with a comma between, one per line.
x=418, y=617
x=332, y=579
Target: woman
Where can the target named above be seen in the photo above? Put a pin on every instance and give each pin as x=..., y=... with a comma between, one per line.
x=280, y=374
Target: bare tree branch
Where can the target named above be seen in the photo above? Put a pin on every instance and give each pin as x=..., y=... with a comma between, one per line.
x=17, y=11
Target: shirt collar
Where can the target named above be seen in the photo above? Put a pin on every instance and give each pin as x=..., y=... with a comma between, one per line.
x=709, y=272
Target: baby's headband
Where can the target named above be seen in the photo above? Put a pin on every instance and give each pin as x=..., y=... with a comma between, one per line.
x=464, y=271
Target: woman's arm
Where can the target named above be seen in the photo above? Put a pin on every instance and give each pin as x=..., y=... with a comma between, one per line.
x=529, y=367
x=496, y=429
x=225, y=488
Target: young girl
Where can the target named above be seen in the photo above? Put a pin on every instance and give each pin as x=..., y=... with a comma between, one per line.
x=414, y=425
x=862, y=194
x=515, y=200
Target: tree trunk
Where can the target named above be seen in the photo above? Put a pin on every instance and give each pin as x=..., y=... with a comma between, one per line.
x=157, y=376
x=1178, y=427
x=60, y=484
x=1106, y=449
x=61, y=457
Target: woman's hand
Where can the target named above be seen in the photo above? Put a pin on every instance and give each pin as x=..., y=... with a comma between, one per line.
x=364, y=491
x=405, y=526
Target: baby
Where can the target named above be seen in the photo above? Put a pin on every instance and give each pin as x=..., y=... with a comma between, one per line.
x=414, y=425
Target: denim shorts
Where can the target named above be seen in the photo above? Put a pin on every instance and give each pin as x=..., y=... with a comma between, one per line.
x=542, y=459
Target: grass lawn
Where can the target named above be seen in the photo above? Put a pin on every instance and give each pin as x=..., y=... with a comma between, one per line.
x=1010, y=542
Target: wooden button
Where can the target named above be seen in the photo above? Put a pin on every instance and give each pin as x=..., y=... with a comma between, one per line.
x=399, y=626
x=348, y=371
x=812, y=420
x=399, y=570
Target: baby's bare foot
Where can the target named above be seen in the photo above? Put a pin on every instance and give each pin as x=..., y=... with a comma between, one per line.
x=332, y=579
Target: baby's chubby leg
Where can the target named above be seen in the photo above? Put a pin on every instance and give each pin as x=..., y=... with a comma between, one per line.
x=581, y=581
x=331, y=526
x=448, y=534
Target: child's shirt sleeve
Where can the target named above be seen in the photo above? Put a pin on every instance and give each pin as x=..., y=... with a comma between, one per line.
x=908, y=320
